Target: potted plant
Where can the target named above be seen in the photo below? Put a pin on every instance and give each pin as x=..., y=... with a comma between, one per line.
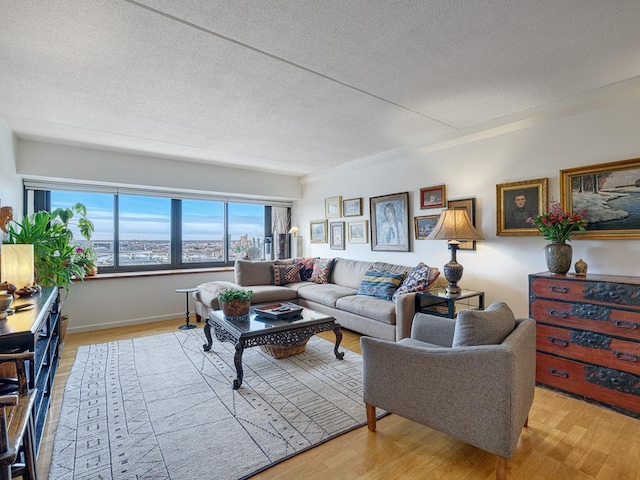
x=235, y=303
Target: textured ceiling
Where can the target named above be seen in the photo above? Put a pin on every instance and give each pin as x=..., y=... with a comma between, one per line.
x=301, y=85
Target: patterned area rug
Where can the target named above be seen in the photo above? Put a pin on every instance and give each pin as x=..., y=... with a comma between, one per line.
x=159, y=407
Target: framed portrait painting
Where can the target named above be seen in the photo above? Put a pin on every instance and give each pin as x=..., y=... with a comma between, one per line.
x=318, y=231
x=609, y=196
x=469, y=204
x=518, y=201
x=432, y=197
x=352, y=207
x=336, y=235
x=390, y=222
x=333, y=207
x=358, y=232
x=424, y=225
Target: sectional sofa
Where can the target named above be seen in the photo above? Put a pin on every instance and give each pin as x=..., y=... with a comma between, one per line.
x=339, y=292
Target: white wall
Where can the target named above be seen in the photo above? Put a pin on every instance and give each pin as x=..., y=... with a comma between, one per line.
x=500, y=265
x=10, y=187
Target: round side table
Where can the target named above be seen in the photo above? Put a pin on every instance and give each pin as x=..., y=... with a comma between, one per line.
x=186, y=291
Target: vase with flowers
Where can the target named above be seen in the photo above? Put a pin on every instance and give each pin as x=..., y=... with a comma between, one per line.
x=556, y=225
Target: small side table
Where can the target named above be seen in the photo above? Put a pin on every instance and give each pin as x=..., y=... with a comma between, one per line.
x=186, y=291
x=437, y=302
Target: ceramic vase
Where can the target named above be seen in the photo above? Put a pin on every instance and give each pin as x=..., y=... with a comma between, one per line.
x=558, y=257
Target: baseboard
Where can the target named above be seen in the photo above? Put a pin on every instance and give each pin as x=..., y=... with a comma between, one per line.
x=124, y=323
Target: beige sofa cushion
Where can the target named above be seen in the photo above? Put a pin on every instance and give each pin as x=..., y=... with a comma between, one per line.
x=325, y=293
x=270, y=293
x=371, y=307
x=349, y=273
x=253, y=273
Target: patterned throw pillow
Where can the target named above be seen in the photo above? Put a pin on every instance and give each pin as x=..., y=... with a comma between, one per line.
x=322, y=270
x=418, y=279
x=283, y=274
x=306, y=269
x=380, y=283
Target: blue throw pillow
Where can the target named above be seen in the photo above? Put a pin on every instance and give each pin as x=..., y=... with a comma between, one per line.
x=380, y=283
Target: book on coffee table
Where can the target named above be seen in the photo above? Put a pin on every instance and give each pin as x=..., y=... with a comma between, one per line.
x=279, y=311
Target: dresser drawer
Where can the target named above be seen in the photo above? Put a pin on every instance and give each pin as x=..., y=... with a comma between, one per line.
x=598, y=292
x=606, y=385
x=590, y=347
x=598, y=318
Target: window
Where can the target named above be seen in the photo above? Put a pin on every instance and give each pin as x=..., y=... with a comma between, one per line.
x=148, y=232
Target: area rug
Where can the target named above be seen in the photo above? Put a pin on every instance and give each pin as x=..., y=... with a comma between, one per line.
x=159, y=407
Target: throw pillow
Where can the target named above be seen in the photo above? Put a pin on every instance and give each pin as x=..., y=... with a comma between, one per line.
x=283, y=274
x=380, y=283
x=307, y=267
x=418, y=279
x=322, y=270
x=483, y=327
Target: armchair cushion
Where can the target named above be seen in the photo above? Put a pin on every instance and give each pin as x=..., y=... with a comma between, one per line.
x=483, y=327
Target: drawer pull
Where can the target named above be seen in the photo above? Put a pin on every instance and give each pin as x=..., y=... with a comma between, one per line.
x=556, y=289
x=558, y=314
x=558, y=373
x=560, y=342
x=627, y=357
x=627, y=325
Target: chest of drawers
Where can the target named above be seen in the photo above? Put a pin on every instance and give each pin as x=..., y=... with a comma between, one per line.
x=588, y=337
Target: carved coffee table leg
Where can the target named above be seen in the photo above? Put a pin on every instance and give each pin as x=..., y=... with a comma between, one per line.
x=237, y=360
x=207, y=333
x=336, y=330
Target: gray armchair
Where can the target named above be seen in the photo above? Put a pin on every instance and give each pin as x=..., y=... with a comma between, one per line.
x=472, y=378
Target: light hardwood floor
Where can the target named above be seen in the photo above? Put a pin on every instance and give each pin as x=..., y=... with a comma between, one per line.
x=566, y=438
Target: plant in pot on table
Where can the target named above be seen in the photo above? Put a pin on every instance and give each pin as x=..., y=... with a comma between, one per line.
x=235, y=303
x=557, y=226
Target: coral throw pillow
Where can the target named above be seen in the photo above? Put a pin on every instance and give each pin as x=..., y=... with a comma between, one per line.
x=307, y=267
x=322, y=270
x=380, y=283
x=418, y=279
x=283, y=274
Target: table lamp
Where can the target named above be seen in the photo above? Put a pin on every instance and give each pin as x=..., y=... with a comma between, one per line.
x=296, y=242
x=454, y=226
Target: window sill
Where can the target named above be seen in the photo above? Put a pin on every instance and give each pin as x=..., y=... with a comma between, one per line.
x=155, y=273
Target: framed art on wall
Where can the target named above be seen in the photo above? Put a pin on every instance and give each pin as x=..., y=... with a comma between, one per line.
x=352, y=207
x=518, y=201
x=608, y=194
x=432, y=197
x=358, y=232
x=318, y=231
x=424, y=225
x=336, y=238
x=390, y=222
x=333, y=207
x=469, y=204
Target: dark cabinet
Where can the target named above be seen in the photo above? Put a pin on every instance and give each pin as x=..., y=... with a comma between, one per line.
x=588, y=337
x=36, y=330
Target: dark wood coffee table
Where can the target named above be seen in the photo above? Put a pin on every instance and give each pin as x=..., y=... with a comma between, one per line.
x=253, y=330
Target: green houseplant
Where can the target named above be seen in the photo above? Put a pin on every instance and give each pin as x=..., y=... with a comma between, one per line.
x=56, y=258
x=235, y=303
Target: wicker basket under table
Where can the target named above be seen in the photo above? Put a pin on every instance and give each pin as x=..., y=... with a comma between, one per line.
x=279, y=351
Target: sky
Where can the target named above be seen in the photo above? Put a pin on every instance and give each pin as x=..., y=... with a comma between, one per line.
x=148, y=218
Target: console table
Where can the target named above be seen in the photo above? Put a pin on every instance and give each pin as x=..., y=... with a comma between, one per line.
x=36, y=330
x=588, y=337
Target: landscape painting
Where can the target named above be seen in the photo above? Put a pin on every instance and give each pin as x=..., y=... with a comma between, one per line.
x=609, y=195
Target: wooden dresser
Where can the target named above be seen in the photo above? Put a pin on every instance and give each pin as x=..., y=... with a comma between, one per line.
x=588, y=337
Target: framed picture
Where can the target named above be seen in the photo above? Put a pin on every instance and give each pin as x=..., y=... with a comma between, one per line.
x=516, y=202
x=318, y=231
x=352, y=207
x=469, y=204
x=609, y=195
x=358, y=231
x=390, y=222
x=333, y=207
x=424, y=225
x=432, y=197
x=336, y=239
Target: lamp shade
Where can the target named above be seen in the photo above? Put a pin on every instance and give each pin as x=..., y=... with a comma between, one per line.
x=17, y=264
x=454, y=224
x=294, y=230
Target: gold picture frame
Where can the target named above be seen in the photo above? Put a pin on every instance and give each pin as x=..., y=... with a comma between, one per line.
x=358, y=231
x=352, y=207
x=518, y=201
x=318, y=231
x=333, y=207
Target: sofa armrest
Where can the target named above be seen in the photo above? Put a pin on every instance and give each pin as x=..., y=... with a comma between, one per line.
x=405, y=310
x=208, y=292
